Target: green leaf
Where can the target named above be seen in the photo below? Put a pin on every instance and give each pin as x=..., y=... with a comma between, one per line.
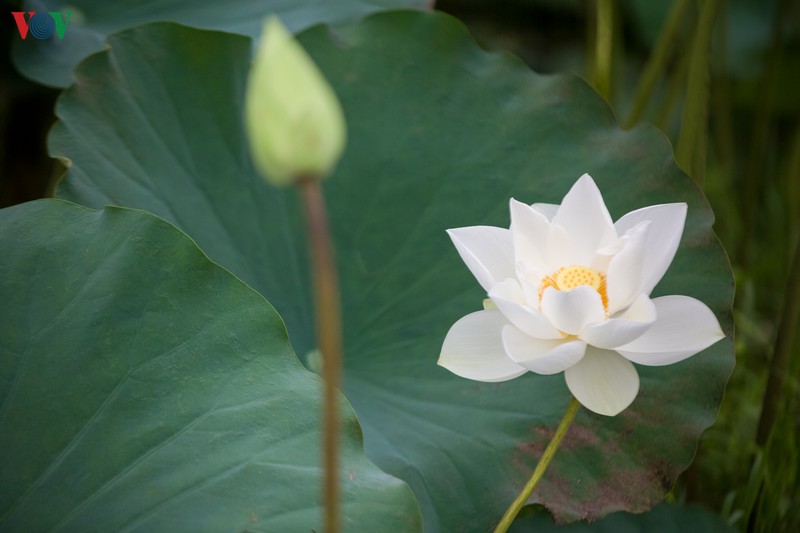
x=51, y=61
x=664, y=518
x=144, y=388
x=441, y=134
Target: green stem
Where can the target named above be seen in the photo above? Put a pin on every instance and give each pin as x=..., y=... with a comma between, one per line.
x=781, y=358
x=792, y=182
x=759, y=133
x=590, y=33
x=329, y=339
x=604, y=48
x=657, y=63
x=677, y=81
x=721, y=114
x=540, y=469
x=691, y=150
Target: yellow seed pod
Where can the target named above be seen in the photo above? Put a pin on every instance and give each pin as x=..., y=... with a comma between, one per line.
x=294, y=121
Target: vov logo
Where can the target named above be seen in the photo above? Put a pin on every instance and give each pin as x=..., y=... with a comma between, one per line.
x=42, y=25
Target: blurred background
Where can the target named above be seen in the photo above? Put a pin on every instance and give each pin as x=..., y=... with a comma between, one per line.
x=721, y=78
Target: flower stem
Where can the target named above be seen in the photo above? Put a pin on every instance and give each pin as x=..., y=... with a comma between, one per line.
x=603, y=48
x=540, y=469
x=692, y=139
x=762, y=133
x=779, y=369
x=329, y=338
x=657, y=63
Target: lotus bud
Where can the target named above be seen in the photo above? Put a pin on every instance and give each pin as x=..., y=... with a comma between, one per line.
x=294, y=121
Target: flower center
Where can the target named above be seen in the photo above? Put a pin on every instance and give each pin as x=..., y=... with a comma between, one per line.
x=568, y=278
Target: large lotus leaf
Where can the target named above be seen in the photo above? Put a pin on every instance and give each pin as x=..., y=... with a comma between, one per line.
x=51, y=61
x=441, y=134
x=144, y=388
x=663, y=518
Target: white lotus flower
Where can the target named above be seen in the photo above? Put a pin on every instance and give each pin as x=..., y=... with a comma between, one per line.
x=569, y=291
